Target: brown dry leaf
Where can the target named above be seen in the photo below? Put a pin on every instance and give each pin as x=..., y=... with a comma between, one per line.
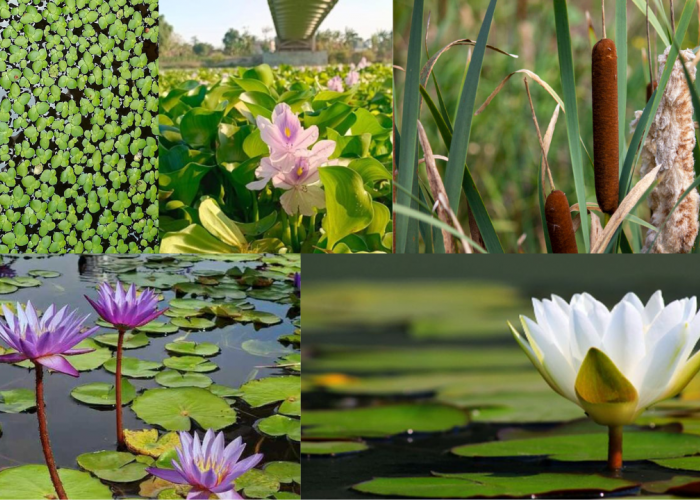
x=532, y=75
x=596, y=229
x=548, y=142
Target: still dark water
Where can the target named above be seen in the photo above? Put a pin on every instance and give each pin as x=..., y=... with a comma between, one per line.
x=75, y=428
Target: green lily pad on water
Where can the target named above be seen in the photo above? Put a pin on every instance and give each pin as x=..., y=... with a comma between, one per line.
x=258, y=317
x=272, y=390
x=134, y=367
x=103, y=394
x=290, y=362
x=90, y=360
x=586, y=447
x=189, y=303
x=147, y=442
x=172, y=378
x=158, y=327
x=682, y=486
x=30, y=482
x=332, y=447
x=224, y=391
x=7, y=288
x=180, y=312
x=117, y=467
x=190, y=364
x=21, y=281
x=274, y=293
x=162, y=281
x=279, y=425
x=39, y=273
x=173, y=409
x=257, y=484
x=193, y=323
x=493, y=485
x=131, y=340
x=17, y=400
x=265, y=348
x=382, y=421
x=284, y=472
x=683, y=463
x=193, y=348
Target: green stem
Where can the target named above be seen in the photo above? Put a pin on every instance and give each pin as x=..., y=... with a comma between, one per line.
x=294, y=232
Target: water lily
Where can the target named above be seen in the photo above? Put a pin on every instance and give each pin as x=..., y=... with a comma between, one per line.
x=285, y=135
x=336, y=84
x=45, y=342
x=125, y=310
x=297, y=283
x=209, y=467
x=352, y=78
x=613, y=363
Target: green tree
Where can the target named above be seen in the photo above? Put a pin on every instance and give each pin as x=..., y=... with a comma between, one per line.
x=232, y=40
x=165, y=32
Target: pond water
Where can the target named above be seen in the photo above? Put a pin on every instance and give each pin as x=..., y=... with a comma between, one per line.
x=76, y=428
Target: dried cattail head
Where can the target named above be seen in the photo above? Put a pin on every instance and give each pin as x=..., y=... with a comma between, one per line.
x=606, y=145
x=651, y=87
x=559, y=223
x=669, y=145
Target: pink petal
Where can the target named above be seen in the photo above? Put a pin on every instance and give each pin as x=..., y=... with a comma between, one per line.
x=14, y=357
x=169, y=475
x=58, y=363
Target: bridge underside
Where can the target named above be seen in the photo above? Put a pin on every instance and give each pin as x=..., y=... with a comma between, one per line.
x=296, y=22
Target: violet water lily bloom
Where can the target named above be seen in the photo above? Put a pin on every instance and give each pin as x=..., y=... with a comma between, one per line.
x=284, y=135
x=44, y=341
x=124, y=309
x=336, y=84
x=352, y=79
x=208, y=467
x=297, y=281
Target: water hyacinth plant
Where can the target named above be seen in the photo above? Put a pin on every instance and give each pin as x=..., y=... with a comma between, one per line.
x=45, y=342
x=285, y=160
x=78, y=108
x=124, y=310
x=208, y=467
x=613, y=363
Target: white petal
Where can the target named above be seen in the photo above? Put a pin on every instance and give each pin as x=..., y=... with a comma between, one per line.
x=632, y=298
x=660, y=365
x=624, y=339
x=668, y=318
x=653, y=307
x=303, y=201
x=558, y=324
x=585, y=337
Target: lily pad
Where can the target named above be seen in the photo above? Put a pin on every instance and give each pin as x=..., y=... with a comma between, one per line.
x=40, y=273
x=134, y=367
x=382, y=421
x=17, y=400
x=30, y=482
x=492, y=485
x=279, y=425
x=147, y=442
x=258, y=317
x=265, y=348
x=117, y=467
x=193, y=348
x=586, y=447
x=131, y=340
x=172, y=378
x=103, y=394
x=21, y=281
x=684, y=463
x=272, y=390
x=158, y=327
x=189, y=303
x=7, y=288
x=332, y=447
x=90, y=360
x=284, y=472
x=190, y=364
x=173, y=409
x=225, y=391
x=193, y=323
x=257, y=484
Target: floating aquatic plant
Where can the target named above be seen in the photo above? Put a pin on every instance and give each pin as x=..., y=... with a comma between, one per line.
x=125, y=310
x=613, y=363
x=44, y=342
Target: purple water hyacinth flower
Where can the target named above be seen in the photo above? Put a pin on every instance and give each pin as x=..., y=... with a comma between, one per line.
x=362, y=64
x=352, y=78
x=336, y=84
x=284, y=134
x=44, y=341
x=208, y=467
x=124, y=309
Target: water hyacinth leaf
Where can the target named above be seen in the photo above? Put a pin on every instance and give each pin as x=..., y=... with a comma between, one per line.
x=173, y=409
x=134, y=367
x=272, y=390
x=17, y=400
x=279, y=425
x=219, y=225
x=382, y=421
x=147, y=442
x=332, y=448
x=172, y=378
x=103, y=394
x=190, y=364
x=199, y=126
x=117, y=467
x=184, y=182
x=348, y=205
x=193, y=348
x=193, y=239
x=29, y=482
x=586, y=447
x=131, y=340
x=493, y=485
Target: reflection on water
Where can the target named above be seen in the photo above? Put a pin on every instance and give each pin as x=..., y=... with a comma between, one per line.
x=75, y=428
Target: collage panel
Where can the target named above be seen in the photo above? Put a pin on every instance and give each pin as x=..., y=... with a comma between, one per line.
x=276, y=127
x=423, y=379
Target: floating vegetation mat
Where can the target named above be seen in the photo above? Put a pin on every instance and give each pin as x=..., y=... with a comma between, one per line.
x=454, y=409
x=78, y=118
x=225, y=356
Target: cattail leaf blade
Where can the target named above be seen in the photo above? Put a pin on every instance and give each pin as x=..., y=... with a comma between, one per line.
x=621, y=42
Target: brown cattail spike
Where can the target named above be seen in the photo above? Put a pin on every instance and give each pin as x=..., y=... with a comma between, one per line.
x=559, y=224
x=651, y=87
x=606, y=142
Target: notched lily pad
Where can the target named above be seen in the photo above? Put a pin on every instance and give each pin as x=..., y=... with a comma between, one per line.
x=272, y=390
x=103, y=394
x=279, y=425
x=17, y=400
x=134, y=367
x=29, y=482
x=117, y=467
x=147, y=442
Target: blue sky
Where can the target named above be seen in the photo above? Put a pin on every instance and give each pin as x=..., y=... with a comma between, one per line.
x=208, y=20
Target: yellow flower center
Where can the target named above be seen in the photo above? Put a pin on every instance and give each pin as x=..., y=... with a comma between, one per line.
x=287, y=132
x=300, y=171
x=218, y=468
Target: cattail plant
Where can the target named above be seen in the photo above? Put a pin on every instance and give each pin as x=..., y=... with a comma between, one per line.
x=559, y=223
x=669, y=145
x=606, y=146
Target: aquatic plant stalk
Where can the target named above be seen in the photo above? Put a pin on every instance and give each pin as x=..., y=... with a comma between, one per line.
x=615, y=448
x=44, y=433
x=121, y=444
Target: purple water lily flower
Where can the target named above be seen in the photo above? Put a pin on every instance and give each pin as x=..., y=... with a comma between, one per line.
x=44, y=341
x=297, y=284
x=124, y=309
x=284, y=134
x=208, y=467
x=6, y=271
x=336, y=84
x=352, y=78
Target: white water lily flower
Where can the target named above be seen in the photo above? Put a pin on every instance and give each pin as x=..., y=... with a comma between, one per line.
x=614, y=364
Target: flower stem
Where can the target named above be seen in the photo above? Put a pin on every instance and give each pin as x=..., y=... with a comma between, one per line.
x=44, y=433
x=118, y=387
x=615, y=448
x=294, y=232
